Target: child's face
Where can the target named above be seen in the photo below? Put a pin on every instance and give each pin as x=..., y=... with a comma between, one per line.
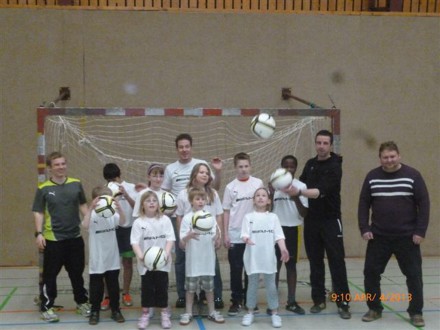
x=202, y=176
x=261, y=199
x=243, y=169
x=150, y=205
x=198, y=203
x=290, y=165
x=156, y=179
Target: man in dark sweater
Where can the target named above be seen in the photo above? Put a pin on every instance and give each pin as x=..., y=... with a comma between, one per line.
x=399, y=203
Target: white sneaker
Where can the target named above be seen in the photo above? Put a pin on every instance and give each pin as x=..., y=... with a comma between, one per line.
x=276, y=321
x=248, y=319
x=185, y=319
x=49, y=316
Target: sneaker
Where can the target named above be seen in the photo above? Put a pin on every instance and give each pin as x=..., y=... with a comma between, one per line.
x=126, y=300
x=248, y=319
x=165, y=320
x=49, y=316
x=257, y=310
x=117, y=317
x=143, y=322
x=105, y=305
x=185, y=319
x=344, y=312
x=234, y=309
x=317, y=308
x=276, y=321
x=216, y=317
x=371, y=315
x=83, y=309
x=180, y=303
x=417, y=320
x=268, y=311
x=94, y=318
x=294, y=307
x=218, y=303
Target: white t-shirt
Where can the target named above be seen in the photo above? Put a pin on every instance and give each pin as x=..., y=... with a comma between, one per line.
x=103, y=245
x=184, y=206
x=137, y=203
x=238, y=199
x=177, y=175
x=285, y=208
x=125, y=205
x=264, y=229
x=148, y=232
x=199, y=254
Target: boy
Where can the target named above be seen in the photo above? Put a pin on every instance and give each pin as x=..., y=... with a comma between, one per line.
x=199, y=259
x=237, y=202
x=103, y=256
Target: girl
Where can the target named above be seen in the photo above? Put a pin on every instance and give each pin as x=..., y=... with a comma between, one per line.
x=152, y=228
x=260, y=231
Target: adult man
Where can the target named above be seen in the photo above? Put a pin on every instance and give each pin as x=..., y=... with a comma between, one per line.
x=176, y=178
x=57, y=223
x=399, y=202
x=322, y=225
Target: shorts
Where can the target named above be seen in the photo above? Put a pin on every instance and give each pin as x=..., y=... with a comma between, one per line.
x=123, y=237
x=206, y=283
x=292, y=243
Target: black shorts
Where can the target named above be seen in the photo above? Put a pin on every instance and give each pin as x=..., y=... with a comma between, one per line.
x=292, y=244
x=123, y=236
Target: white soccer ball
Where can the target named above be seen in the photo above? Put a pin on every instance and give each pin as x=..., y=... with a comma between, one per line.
x=202, y=221
x=167, y=202
x=114, y=187
x=154, y=258
x=105, y=207
x=281, y=179
x=263, y=125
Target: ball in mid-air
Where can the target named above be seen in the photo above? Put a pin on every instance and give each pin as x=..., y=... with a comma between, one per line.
x=263, y=125
x=281, y=179
x=105, y=207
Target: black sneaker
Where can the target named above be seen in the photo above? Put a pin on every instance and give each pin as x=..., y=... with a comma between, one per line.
x=294, y=307
x=317, y=308
x=94, y=318
x=117, y=317
x=344, y=312
x=234, y=309
x=180, y=303
x=218, y=303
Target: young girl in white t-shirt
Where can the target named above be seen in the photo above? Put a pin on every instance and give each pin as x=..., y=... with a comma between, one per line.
x=152, y=228
x=260, y=231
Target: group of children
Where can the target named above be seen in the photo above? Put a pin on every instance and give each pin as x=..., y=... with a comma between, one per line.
x=245, y=225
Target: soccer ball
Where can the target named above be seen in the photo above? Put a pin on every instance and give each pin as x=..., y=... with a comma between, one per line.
x=154, y=258
x=167, y=202
x=202, y=221
x=263, y=125
x=114, y=187
x=280, y=179
x=105, y=207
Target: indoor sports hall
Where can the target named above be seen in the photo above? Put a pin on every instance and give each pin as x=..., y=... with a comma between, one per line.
x=117, y=80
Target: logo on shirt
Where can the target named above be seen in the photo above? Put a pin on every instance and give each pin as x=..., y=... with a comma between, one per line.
x=51, y=193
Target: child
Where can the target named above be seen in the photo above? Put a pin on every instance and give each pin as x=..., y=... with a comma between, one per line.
x=199, y=259
x=103, y=256
x=127, y=194
x=261, y=230
x=237, y=202
x=201, y=178
x=152, y=228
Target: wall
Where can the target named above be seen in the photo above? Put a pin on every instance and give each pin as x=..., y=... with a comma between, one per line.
x=382, y=72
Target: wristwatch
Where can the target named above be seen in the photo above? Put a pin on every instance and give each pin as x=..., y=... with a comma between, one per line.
x=38, y=233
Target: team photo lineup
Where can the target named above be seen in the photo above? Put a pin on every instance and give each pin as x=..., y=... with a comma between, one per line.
x=180, y=218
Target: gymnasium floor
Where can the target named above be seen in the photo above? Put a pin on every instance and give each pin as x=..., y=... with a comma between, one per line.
x=19, y=286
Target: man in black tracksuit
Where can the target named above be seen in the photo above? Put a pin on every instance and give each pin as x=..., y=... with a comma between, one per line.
x=322, y=225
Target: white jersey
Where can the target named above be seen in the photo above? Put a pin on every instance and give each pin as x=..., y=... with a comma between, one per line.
x=137, y=203
x=177, y=175
x=184, y=206
x=125, y=205
x=285, y=208
x=148, y=232
x=103, y=245
x=264, y=229
x=199, y=254
x=238, y=199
